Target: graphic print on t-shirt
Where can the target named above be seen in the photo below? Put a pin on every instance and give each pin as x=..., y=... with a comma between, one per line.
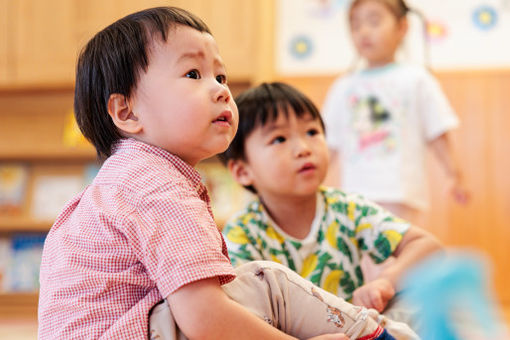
x=372, y=124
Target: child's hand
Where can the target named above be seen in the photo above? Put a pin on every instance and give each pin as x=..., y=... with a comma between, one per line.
x=374, y=294
x=460, y=193
x=339, y=336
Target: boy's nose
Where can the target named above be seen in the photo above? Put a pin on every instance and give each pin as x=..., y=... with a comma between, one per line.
x=302, y=148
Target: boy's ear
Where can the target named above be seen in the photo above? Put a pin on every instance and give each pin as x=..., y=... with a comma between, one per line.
x=123, y=117
x=240, y=171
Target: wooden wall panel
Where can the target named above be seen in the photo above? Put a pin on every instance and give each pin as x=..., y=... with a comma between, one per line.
x=5, y=53
x=482, y=147
x=43, y=41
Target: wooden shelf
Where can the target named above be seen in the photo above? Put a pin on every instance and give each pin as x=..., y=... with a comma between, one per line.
x=48, y=154
x=14, y=304
x=17, y=224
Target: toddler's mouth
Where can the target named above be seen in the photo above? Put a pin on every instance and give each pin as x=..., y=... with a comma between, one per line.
x=224, y=117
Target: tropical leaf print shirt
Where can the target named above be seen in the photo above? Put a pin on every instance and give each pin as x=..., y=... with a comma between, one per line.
x=345, y=227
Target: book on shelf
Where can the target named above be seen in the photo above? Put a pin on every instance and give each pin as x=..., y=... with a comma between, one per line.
x=13, y=187
x=4, y=261
x=52, y=192
x=72, y=136
x=21, y=261
x=90, y=172
x=227, y=196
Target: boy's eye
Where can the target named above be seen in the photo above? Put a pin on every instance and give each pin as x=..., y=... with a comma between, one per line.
x=278, y=140
x=221, y=78
x=193, y=74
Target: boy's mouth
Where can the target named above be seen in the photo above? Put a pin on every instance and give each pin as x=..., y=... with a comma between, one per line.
x=307, y=167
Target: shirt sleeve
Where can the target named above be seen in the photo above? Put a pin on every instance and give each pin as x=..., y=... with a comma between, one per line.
x=176, y=238
x=242, y=246
x=377, y=230
x=437, y=114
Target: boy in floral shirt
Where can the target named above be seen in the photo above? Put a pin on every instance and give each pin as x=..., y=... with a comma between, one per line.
x=280, y=154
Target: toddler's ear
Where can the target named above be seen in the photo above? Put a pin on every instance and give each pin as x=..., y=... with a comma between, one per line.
x=240, y=170
x=123, y=117
x=403, y=27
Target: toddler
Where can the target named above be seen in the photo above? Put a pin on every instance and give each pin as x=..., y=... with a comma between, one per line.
x=382, y=118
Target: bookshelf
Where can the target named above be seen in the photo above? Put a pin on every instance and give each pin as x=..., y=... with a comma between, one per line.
x=18, y=305
x=47, y=154
x=23, y=224
x=39, y=148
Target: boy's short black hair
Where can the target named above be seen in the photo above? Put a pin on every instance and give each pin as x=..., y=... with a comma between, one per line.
x=112, y=61
x=261, y=105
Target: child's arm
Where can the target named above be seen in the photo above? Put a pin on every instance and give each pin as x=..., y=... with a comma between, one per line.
x=414, y=246
x=441, y=148
x=203, y=311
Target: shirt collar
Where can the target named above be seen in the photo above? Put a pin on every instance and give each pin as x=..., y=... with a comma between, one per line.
x=132, y=145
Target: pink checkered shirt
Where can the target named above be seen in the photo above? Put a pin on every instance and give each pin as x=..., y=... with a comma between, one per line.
x=140, y=231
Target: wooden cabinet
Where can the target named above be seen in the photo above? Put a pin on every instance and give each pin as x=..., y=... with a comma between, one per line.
x=40, y=40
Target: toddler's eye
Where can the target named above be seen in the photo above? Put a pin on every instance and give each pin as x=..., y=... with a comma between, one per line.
x=221, y=78
x=374, y=20
x=312, y=132
x=278, y=140
x=193, y=74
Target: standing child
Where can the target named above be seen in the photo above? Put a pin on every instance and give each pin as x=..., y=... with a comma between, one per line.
x=280, y=154
x=382, y=118
x=152, y=97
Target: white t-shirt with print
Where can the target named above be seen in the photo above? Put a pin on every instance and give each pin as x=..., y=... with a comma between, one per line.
x=381, y=121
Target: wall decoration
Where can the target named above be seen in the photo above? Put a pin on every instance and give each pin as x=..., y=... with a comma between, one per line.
x=301, y=47
x=460, y=34
x=327, y=8
x=485, y=17
x=436, y=31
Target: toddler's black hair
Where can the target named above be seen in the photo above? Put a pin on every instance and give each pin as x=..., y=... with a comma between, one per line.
x=261, y=105
x=398, y=7
x=112, y=62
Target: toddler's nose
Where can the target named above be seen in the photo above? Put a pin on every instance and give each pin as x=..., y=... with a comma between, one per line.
x=221, y=92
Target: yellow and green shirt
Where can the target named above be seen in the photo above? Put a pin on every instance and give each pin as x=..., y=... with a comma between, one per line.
x=345, y=227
